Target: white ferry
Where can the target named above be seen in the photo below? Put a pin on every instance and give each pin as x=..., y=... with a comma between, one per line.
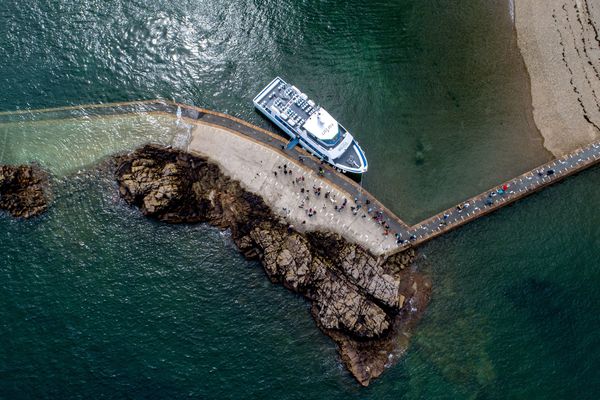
x=311, y=126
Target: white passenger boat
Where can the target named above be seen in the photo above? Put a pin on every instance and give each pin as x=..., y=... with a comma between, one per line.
x=311, y=126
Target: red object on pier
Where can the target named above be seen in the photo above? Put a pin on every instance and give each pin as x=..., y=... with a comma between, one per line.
x=504, y=187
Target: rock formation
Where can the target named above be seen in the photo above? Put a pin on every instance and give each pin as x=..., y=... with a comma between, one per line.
x=367, y=305
x=23, y=190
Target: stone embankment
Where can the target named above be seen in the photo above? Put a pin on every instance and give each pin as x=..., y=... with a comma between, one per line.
x=309, y=195
x=23, y=190
x=368, y=305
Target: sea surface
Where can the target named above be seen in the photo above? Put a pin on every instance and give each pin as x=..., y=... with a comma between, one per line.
x=97, y=301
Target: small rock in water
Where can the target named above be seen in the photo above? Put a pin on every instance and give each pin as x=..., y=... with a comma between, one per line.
x=24, y=190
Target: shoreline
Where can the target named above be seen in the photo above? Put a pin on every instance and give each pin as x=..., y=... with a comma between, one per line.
x=558, y=40
x=369, y=306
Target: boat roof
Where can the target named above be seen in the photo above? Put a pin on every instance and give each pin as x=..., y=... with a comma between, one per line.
x=322, y=125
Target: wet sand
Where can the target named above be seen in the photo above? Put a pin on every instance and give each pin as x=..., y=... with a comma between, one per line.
x=560, y=44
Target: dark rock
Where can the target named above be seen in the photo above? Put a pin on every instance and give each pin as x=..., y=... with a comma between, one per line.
x=365, y=304
x=23, y=190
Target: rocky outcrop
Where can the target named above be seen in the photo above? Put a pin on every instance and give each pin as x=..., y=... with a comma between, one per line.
x=367, y=305
x=23, y=190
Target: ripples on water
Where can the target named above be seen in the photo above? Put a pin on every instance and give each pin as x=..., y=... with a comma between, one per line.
x=437, y=95
x=96, y=301
x=197, y=50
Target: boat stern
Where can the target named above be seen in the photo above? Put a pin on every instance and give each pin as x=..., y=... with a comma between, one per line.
x=260, y=97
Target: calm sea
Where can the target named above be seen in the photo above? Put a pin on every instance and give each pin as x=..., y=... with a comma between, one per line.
x=99, y=302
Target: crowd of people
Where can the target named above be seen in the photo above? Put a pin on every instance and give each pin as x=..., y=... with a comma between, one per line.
x=357, y=206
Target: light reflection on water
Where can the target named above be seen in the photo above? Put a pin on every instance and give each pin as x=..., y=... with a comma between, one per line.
x=97, y=301
x=436, y=95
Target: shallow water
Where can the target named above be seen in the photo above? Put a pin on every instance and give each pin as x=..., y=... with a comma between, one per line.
x=96, y=301
x=68, y=145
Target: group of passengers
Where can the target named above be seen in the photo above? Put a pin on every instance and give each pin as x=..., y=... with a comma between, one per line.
x=377, y=215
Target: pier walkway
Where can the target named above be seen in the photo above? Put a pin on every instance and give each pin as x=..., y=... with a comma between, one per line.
x=365, y=219
x=475, y=207
x=503, y=194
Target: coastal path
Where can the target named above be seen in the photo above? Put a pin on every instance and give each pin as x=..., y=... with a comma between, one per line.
x=503, y=194
x=392, y=229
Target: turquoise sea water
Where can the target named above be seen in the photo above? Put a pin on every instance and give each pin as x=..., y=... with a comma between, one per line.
x=98, y=302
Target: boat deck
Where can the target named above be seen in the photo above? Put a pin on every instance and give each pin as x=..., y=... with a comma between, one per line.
x=293, y=108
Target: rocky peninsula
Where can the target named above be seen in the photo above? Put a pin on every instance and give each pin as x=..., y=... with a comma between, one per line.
x=23, y=190
x=367, y=304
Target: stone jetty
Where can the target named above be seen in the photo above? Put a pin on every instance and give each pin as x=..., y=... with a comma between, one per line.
x=316, y=231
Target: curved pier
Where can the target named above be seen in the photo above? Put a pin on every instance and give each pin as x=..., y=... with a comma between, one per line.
x=312, y=195
x=470, y=209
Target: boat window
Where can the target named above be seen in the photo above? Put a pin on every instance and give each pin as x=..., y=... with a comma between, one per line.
x=334, y=141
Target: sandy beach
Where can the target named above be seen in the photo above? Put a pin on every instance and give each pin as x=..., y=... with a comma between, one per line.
x=560, y=44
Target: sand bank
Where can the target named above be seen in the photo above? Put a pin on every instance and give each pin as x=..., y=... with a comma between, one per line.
x=560, y=43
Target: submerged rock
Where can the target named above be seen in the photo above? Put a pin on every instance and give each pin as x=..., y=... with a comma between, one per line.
x=23, y=190
x=367, y=305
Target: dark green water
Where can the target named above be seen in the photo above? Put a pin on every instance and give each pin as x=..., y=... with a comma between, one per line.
x=98, y=302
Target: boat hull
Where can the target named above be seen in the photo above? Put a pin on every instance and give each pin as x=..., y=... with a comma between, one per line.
x=313, y=149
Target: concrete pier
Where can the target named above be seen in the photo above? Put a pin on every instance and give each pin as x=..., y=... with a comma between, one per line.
x=504, y=194
x=388, y=233
x=294, y=189
x=311, y=195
